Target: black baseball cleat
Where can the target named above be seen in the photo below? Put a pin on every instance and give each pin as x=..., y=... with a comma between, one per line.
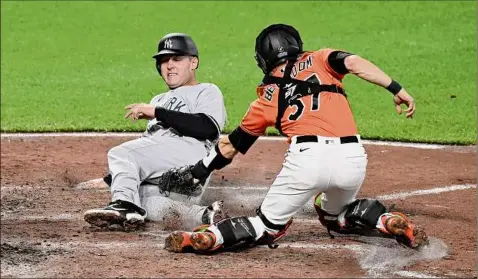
x=122, y=213
x=215, y=212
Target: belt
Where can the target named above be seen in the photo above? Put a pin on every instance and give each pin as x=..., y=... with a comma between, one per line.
x=348, y=139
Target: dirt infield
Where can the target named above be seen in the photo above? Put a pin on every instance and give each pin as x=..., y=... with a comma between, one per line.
x=43, y=234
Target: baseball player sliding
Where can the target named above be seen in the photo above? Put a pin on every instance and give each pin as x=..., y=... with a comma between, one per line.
x=302, y=95
x=184, y=123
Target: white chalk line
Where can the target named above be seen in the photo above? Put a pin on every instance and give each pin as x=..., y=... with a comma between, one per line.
x=14, y=188
x=97, y=184
x=59, y=217
x=426, y=192
x=437, y=206
x=265, y=138
x=413, y=274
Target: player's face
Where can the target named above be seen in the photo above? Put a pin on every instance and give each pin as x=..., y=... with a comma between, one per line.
x=178, y=70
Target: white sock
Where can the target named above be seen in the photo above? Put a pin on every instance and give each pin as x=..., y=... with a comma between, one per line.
x=217, y=233
x=259, y=227
x=380, y=224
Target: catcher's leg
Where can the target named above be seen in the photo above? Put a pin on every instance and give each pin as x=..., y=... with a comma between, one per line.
x=228, y=233
x=247, y=231
x=365, y=216
x=303, y=175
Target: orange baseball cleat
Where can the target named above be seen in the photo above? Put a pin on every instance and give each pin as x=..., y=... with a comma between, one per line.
x=397, y=225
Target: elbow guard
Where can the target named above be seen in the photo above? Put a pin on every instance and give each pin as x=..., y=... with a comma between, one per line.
x=241, y=140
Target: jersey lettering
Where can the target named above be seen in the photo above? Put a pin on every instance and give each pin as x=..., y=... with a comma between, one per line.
x=174, y=104
x=313, y=78
x=290, y=90
x=303, y=65
x=300, y=109
x=324, y=113
x=269, y=93
x=315, y=106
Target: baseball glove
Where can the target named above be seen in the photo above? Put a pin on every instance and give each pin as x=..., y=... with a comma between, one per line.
x=181, y=181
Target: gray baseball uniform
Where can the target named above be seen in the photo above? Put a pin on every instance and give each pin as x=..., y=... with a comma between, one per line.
x=161, y=148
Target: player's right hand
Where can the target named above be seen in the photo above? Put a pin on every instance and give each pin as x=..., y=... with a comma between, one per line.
x=403, y=97
x=139, y=111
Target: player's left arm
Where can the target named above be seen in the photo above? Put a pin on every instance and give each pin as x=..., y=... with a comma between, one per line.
x=370, y=72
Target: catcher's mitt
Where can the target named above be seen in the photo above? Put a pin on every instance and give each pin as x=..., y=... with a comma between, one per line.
x=180, y=180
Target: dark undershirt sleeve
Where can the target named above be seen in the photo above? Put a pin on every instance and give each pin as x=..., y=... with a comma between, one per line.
x=196, y=125
x=336, y=61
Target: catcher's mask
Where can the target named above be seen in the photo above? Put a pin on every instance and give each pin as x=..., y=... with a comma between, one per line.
x=175, y=44
x=276, y=44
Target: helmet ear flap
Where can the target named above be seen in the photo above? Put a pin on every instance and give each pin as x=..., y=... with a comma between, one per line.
x=261, y=62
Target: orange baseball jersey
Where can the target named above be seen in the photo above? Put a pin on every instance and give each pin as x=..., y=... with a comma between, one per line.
x=324, y=114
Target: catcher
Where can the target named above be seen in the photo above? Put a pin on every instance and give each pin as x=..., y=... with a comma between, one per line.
x=303, y=96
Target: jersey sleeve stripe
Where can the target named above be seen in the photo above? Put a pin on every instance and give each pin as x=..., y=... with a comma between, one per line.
x=250, y=132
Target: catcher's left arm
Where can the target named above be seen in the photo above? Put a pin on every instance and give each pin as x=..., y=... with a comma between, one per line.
x=189, y=179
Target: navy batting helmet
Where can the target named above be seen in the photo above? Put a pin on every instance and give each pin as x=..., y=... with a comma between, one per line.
x=276, y=44
x=175, y=44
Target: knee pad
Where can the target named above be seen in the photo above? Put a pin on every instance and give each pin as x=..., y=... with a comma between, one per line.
x=363, y=213
x=358, y=217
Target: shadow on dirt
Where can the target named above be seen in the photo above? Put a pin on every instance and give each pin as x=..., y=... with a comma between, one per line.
x=32, y=254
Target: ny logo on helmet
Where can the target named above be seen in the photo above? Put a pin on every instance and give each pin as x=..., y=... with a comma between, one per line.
x=282, y=52
x=168, y=44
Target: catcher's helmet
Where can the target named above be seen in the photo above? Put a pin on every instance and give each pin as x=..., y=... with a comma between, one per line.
x=276, y=44
x=175, y=44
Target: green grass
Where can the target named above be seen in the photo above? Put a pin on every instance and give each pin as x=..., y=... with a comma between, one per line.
x=73, y=66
